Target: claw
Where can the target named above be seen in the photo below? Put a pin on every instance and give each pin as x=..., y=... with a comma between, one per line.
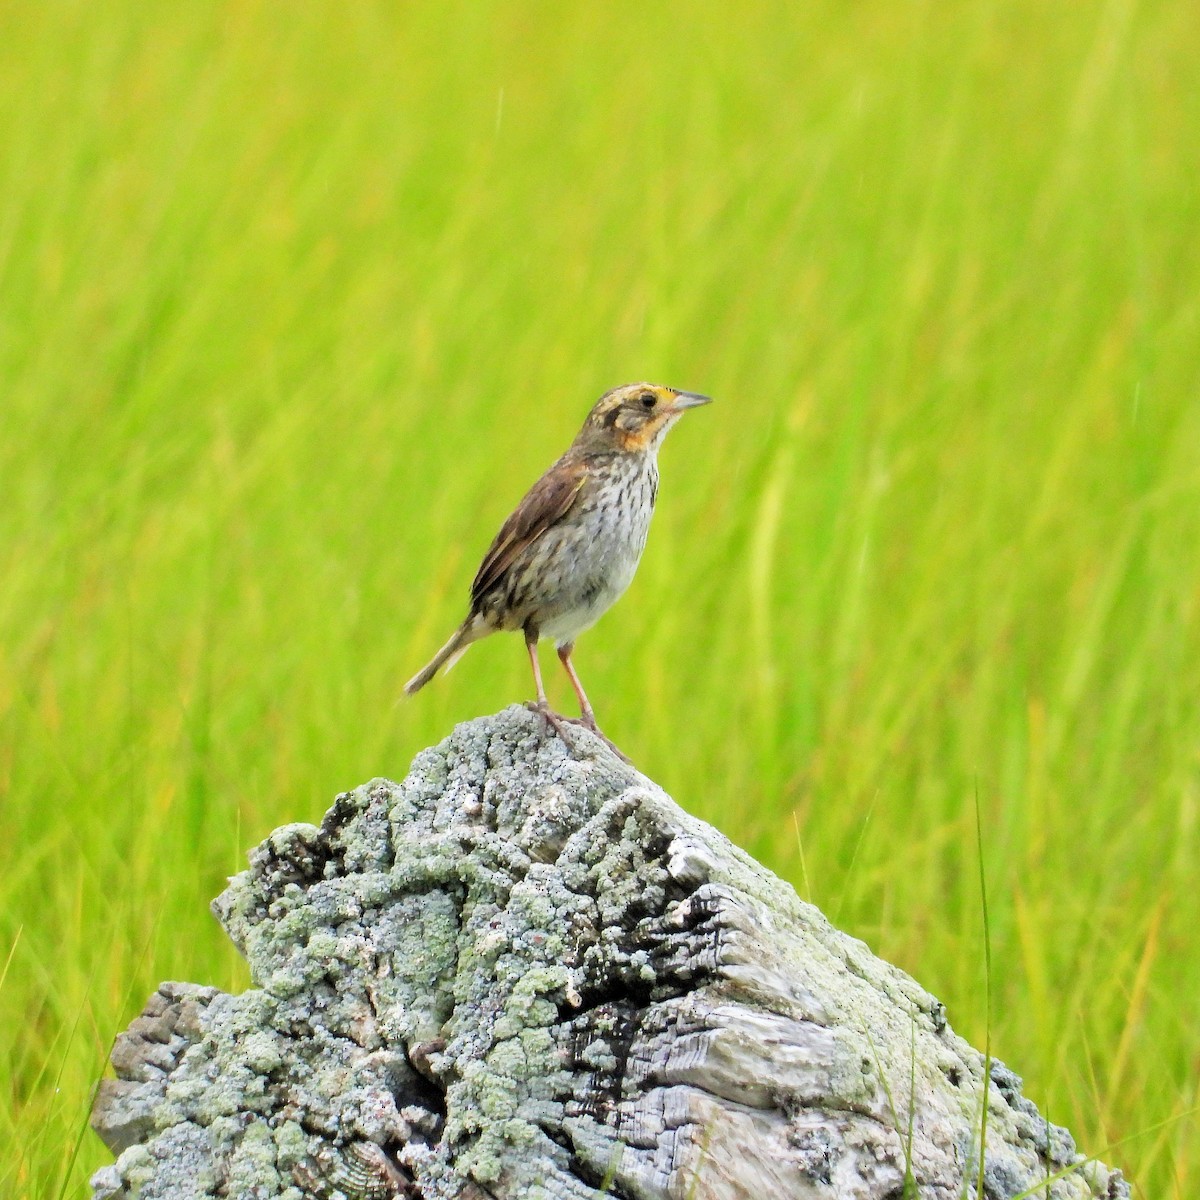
x=613, y=746
x=589, y=723
x=557, y=723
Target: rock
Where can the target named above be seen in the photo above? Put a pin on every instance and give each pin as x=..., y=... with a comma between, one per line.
x=526, y=972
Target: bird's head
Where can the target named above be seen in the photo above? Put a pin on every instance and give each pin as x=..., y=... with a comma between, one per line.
x=635, y=417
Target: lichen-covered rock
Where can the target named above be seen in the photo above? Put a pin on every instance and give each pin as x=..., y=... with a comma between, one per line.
x=525, y=972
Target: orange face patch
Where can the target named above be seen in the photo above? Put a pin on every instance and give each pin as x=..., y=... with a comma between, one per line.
x=643, y=434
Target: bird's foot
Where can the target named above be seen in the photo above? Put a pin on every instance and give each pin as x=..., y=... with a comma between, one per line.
x=559, y=723
x=588, y=722
x=554, y=720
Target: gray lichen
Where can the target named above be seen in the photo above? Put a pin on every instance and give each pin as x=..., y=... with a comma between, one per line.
x=525, y=972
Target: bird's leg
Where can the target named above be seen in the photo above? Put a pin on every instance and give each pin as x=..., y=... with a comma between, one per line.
x=542, y=705
x=564, y=657
x=588, y=720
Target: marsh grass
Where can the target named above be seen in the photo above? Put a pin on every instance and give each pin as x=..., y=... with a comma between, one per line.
x=293, y=305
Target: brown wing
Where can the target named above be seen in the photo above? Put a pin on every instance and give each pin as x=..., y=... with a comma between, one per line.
x=544, y=505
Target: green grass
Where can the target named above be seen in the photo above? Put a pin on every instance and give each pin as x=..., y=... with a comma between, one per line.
x=296, y=300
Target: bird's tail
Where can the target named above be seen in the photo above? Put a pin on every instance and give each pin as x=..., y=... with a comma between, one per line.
x=469, y=631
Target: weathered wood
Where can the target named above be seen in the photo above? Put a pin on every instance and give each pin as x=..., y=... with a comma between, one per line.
x=528, y=973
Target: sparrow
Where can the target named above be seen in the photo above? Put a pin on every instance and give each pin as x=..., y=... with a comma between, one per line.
x=571, y=547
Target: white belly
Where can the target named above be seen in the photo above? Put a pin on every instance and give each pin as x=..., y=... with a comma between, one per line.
x=568, y=623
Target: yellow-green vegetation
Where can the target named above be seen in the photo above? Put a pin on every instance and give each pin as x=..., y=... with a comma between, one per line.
x=296, y=300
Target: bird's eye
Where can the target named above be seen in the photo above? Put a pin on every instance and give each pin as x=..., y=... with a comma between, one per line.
x=648, y=399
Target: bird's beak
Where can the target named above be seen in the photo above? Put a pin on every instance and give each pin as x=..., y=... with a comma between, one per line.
x=689, y=400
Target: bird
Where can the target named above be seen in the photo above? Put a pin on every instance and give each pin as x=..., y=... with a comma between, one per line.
x=572, y=545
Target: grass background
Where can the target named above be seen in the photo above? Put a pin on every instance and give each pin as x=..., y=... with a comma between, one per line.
x=295, y=301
